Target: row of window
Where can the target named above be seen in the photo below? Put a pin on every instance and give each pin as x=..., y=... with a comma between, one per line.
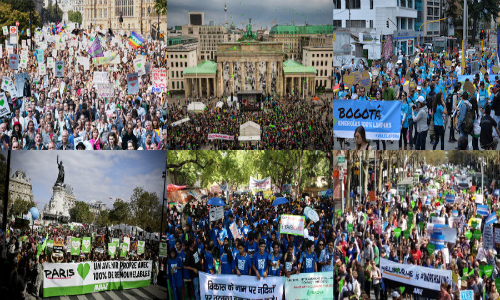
x=19, y=188
x=326, y=55
x=176, y=85
x=356, y=4
x=320, y=63
x=177, y=64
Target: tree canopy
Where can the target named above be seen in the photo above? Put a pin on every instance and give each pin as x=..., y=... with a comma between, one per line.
x=81, y=213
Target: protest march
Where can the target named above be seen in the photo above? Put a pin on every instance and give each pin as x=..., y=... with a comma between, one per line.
x=416, y=224
x=72, y=88
x=249, y=238
x=422, y=100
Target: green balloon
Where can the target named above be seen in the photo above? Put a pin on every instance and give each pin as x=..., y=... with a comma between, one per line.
x=397, y=232
x=468, y=235
x=431, y=248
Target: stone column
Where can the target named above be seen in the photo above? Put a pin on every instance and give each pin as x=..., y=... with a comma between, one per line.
x=257, y=76
x=281, y=86
x=208, y=87
x=187, y=90
x=242, y=72
x=268, y=77
x=219, y=82
x=300, y=85
x=200, y=94
x=231, y=78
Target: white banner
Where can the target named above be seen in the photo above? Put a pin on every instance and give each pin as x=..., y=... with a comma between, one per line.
x=291, y=224
x=236, y=287
x=218, y=136
x=180, y=122
x=101, y=77
x=105, y=90
x=310, y=285
x=216, y=213
x=413, y=275
x=88, y=277
x=260, y=184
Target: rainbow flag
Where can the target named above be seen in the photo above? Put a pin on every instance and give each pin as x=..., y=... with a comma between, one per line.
x=135, y=40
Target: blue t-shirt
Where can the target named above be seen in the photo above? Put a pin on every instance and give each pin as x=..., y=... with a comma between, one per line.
x=243, y=263
x=260, y=262
x=176, y=278
x=185, y=272
x=308, y=260
x=225, y=266
x=438, y=115
x=405, y=110
x=483, y=96
x=274, y=270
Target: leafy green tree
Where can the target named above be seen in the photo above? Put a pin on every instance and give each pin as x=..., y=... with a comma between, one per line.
x=120, y=212
x=161, y=7
x=75, y=16
x=81, y=213
x=20, y=206
x=103, y=218
x=145, y=209
x=9, y=15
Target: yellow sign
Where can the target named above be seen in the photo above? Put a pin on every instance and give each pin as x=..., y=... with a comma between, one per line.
x=334, y=37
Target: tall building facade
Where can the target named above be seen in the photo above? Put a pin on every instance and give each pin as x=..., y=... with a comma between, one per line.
x=181, y=53
x=369, y=15
x=20, y=187
x=138, y=15
x=208, y=37
x=291, y=36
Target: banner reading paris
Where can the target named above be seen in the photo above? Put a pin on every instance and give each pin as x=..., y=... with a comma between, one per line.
x=61, y=279
x=380, y=119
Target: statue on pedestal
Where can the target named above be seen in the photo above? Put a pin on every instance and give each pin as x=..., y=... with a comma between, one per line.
x=60, y=177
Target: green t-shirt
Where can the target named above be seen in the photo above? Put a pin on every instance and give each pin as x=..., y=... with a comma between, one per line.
x=377, y=254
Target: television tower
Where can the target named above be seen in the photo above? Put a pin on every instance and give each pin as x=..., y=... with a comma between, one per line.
x=225, y=14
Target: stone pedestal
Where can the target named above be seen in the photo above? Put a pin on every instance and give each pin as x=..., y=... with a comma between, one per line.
x=57, y=205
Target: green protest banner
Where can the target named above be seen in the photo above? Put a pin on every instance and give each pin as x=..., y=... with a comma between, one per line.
x=349, y=228
x=488, y=270
x=86, y=242
x=112, y=249
x=468, y=235
x=140, y=247
x=75, y=246
x=477, y=234
x=123, y=250
x=163, y=250
x=397, y=232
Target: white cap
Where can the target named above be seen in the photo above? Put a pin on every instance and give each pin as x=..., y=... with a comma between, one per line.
x=421, y=99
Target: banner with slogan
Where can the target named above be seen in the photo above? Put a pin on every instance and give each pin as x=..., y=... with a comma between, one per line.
x=240, y=287
x=260, y=184
x=417, y=280
x=105, y=90
x=86, y=244
x=87, y=277
x=437, y=240
x=163, y=250
x=291, y=224
x=234, y=230
x=218, y=136
x=133, y=83
x=305, y=285
x=140, y=247
x=482, y=210
x=491, y=219
x=450, y=198
x=380, y=119
x=75, y=246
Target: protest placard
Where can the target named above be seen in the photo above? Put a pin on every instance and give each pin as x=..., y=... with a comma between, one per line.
x=75, y=246
x=133, y=83
x=292, y=224
x=86, y=243
x=159, y=76
x=140, y=66
x=216, y=213
x=59, y=69
x=4, y=106
x=13, y=61
x=309, y=285
x=104, y=90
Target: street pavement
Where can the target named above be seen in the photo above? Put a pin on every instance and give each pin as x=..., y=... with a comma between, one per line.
x=151, y=292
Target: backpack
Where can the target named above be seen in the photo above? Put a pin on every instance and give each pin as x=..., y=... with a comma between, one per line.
x=468, y=122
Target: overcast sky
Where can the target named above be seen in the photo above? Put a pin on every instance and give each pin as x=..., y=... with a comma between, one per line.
x=265, y=11
x=94, y=175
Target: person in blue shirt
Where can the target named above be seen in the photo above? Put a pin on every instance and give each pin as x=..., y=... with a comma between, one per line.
x=259, y=260
x=404, y=122
x=412, y=101
x=226, y=261
x=252, y=246
x=438, y=107
x=243, y=263
x=483, y=96
x=209, y=261
x=308, y=260
x=220, y=237
x=326, y=257
x=174, y=267
x=274, y=260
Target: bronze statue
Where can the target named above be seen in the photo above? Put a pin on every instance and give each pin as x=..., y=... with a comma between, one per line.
x=60, y=177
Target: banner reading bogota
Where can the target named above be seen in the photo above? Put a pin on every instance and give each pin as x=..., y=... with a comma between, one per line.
x=417, y=280
x=380, y=119
x=244, y=287
x=87, y=277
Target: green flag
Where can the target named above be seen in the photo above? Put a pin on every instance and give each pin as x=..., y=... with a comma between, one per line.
x=42, y=246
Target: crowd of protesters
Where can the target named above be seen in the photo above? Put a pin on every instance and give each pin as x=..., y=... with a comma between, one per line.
x=198, y=245
x=22, y=257
x=437, y=100
x=53, y=112
x=285, y=123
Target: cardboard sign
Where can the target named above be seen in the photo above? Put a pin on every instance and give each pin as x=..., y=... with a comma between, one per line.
x=50, y=62
x=13, y=61
x=101, y=77
x=133, y=83
x=292, y=224
x=39, y=56
x=4, y=106
x=140, y=66
x=159, y=76
x=105, y=90
x=216, y=213
x=75, y=246
x=42, y=70
x=86, y=243
x=59, y=69
x=140, y=247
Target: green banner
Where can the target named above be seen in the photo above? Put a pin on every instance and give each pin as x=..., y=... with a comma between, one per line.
x=75, y=245
x=140, y=247
x=86, y=244
x=49, y=247
x=123, y=250
x=163, y=249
